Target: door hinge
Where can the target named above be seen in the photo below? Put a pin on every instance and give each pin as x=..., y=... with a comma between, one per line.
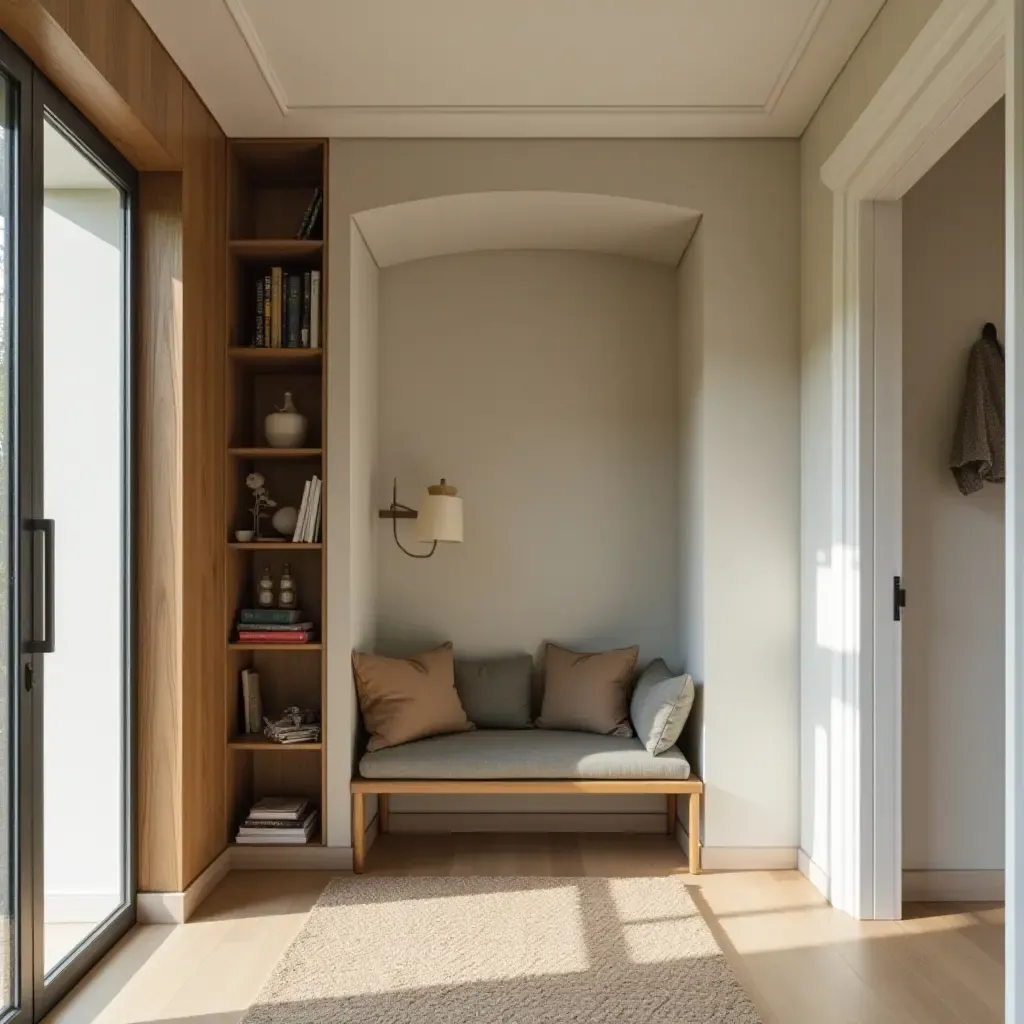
x=30, y=677
x=899, y=599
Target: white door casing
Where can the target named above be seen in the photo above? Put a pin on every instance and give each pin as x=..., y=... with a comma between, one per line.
x=949, y=76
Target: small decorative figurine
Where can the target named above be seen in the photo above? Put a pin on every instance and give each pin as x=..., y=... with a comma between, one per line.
x=261, y=500
x=265, y=590
x=286, y=592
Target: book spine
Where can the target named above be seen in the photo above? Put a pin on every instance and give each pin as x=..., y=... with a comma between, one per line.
x=256, y=636
x=307, y=217
x=255, y=704
x=259, y=342
x=294, y=311
x=300, y=522
x=314, y=501
x=314, y=309
x=305, y=309
x=275, y=307
x=267, y=288
x=272, y=627
x=245, y=701
x=270, y=616
x=316, y=525
x=318, y=205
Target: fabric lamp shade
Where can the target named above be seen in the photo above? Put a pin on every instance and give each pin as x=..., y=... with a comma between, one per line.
x=440, y=515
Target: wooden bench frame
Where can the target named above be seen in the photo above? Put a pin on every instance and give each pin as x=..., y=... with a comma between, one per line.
x=383, y=789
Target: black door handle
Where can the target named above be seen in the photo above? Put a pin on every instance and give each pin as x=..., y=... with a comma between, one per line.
x=46, y=645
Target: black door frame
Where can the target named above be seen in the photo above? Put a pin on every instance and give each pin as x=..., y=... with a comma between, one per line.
x=37, y=99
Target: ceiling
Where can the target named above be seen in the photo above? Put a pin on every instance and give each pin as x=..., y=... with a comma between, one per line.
x=471, y=222
x=511, y=68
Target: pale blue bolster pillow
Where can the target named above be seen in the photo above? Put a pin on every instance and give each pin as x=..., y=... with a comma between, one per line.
x=660, y=706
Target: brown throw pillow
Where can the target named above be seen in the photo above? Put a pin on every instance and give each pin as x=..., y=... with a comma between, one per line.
x=588, y=692
x=406, y=699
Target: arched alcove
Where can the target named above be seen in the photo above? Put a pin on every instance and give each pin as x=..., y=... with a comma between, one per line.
x=514, y=220
x=529, y=346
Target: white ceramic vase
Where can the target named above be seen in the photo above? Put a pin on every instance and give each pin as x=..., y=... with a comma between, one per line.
x=286, y=428
x=284, y=521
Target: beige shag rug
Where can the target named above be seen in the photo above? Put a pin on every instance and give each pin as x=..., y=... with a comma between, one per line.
x=465, y=950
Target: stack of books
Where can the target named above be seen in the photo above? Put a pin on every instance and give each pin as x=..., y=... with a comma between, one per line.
x=273, y=626
x=287, y=309
x=274, y=820
x=296, y=725
x=307, y=526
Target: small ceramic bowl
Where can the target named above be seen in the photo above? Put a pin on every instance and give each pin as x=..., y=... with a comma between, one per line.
x=244, y=536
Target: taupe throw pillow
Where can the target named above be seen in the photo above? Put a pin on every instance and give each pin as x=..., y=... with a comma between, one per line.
x=588, y=692
x=406, y=699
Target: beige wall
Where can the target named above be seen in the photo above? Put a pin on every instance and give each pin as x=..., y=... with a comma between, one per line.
x=543, y=385
x=892, y=32
x=747, y=191
x=953, y=546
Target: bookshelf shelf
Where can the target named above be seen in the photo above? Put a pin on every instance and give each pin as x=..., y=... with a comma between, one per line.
x=273, y=186
x=274, y=545
x=275, y=248
x=272, y=360
x=262, y=743
x=285, y=648
x=276, y=453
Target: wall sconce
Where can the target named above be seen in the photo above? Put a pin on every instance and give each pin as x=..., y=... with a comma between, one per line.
x=439, y=519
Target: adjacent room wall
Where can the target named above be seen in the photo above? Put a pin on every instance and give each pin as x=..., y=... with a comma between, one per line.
x=953, y=546
x=747, y=191
x=892, y=32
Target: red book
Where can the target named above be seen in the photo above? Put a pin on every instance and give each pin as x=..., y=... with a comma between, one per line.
x=257, y=636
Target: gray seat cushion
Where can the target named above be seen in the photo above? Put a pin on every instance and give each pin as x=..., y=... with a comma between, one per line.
x=524, y=754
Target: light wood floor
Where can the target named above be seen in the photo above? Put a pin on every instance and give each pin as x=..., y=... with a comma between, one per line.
x=801, y=961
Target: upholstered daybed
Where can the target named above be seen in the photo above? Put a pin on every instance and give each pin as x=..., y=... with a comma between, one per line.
x=524, y=761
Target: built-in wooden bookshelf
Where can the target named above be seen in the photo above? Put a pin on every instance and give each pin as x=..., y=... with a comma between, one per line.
x=269, y=188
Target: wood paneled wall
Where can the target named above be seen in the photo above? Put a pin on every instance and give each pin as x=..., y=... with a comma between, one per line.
x=161, y=536
x=103, y=56
x=204, y=205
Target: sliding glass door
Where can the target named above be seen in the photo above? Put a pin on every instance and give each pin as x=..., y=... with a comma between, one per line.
x=86, y=481
x=67, y=876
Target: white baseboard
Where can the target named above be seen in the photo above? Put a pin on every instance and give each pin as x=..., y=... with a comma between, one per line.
x=749, y=858
x=814, y=873
x=178, y=907
x=79, y=907
x=954, y=886
x=448, y=821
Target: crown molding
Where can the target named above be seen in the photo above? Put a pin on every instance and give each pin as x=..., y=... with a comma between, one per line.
x=621, y=121
x=240, y=16
x=789, y=68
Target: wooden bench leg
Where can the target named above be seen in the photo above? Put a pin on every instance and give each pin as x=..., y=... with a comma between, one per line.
x=693, y=854
x=671, y=811
x=358, y=832
x=383, y=813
